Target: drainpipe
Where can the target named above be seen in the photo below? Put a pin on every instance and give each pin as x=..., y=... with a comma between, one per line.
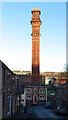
x=46, y=94
x=19, y=100
x=10, y=105
x=24, y=97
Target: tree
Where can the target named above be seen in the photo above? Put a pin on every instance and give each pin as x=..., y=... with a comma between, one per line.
x=66, y=68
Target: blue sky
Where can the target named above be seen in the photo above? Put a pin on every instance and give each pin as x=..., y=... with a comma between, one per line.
x=16, y=44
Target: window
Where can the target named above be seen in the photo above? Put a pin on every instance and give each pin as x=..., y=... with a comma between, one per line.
x=4, y=76
x=28, y=97
x=9, y=81
x=35, y=90
x=41, y=91
x=13, y=81
x=3, y=100
x=28, y=91
x=42, y=97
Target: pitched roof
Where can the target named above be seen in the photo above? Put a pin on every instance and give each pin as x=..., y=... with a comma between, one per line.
x=34, y=84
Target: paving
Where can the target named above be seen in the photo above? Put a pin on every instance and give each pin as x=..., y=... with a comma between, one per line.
x=37, y=112
x=21, y=114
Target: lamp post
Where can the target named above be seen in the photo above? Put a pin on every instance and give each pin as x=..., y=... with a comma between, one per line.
x=24, y=97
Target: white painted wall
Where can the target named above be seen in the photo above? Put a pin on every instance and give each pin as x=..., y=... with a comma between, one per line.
x=22, y=99
x=47, y=80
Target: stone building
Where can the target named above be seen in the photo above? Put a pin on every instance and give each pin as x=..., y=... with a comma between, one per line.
x=8, y=91
x=28, y=78
x=62, y=95
x=61, y=77
x=18, y=72
x=36, y=92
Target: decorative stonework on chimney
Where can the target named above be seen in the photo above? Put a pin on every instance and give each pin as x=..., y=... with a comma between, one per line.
x=35, y=22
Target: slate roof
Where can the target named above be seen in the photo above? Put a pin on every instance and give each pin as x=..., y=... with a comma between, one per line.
x=34, y=84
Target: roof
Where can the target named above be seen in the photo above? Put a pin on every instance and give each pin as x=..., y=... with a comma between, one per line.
x=6, y=67
x=34, y=84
